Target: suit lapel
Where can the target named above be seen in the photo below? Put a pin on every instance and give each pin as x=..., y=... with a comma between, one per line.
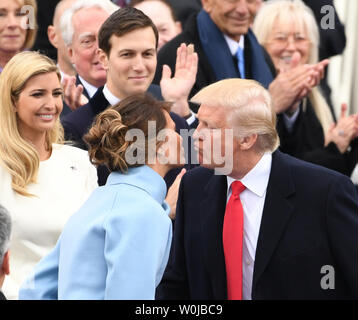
x=85, y=93
x=276, y=213
x=99, y=102
x=212, y=209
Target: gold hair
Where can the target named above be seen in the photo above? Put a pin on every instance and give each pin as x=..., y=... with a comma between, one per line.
x=17, y=155
x=250, y=109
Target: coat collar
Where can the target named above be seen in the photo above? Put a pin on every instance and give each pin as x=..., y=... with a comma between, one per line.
x=212, y=211
x=98, y=102
x=144, y=178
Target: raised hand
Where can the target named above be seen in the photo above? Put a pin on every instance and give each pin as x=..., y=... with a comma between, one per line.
x=73, y=94
x=177, y=88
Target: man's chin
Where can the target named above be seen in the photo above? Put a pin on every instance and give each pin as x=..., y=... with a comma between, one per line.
x=220, y=169
x=140, y=88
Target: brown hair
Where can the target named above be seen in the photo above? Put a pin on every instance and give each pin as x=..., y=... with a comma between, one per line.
x=108, y=138
x=122, y=22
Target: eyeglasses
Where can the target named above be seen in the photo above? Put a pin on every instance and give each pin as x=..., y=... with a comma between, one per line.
x=282, y=40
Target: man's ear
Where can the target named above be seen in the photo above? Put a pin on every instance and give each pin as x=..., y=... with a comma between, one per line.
x=103, y=59
x=5, y=268
x=178, y=27
x=52, y=36
x=207, y=6
x=248, y=142
x=70, y=54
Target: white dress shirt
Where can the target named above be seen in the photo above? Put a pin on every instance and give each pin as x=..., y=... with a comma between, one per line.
x=253, y=200
x=234, y=45
x=91, y=90
x=111, y=98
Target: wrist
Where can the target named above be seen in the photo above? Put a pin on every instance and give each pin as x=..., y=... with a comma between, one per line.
x=181, y=108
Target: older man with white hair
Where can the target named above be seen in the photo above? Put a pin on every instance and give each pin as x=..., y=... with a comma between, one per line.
x=55, y=38
x=5, y=231
x=79, y=26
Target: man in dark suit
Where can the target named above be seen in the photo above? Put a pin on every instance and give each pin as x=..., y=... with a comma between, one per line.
x=79, y=25
x=128, y=40
x=5, y=231
x=295, y=224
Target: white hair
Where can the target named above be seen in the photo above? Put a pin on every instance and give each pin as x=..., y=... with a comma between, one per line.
x=290, y=12
x=66, y=24
x=295, y=11
x=249, y=109
x=5, y=231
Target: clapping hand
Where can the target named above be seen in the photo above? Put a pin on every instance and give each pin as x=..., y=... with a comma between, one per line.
x=73, y=94
x=294, y=82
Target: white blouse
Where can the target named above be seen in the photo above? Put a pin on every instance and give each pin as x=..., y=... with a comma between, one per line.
x=64, y=182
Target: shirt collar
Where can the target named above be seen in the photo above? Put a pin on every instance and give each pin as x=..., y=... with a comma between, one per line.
x=111, y=98
x=234, y=45
x=91, y=90
x=256, y=180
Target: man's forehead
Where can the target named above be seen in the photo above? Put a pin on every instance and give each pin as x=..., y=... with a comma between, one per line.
x=86, y=34
x=91, y=14
x=214, y=114
x=131, y=38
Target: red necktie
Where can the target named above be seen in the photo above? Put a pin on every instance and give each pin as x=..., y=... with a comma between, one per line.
x=232, y=240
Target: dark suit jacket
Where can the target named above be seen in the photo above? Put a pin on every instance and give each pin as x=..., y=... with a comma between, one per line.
x=45, y=12
x=2, y=297
x=306, y=142
x=77, y=123
x=332, y=41
x=309, y=220
x=205, y=74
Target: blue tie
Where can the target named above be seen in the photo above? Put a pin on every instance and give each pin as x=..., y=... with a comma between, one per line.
x=240, y=62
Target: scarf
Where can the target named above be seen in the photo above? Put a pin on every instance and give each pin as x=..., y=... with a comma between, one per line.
x=219, y=55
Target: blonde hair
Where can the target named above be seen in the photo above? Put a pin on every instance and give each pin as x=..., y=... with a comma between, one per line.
x=289, y=12
x=17, y=155
x=250, y=106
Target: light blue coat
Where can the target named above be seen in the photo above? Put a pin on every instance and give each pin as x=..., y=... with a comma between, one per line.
x=115, y=247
